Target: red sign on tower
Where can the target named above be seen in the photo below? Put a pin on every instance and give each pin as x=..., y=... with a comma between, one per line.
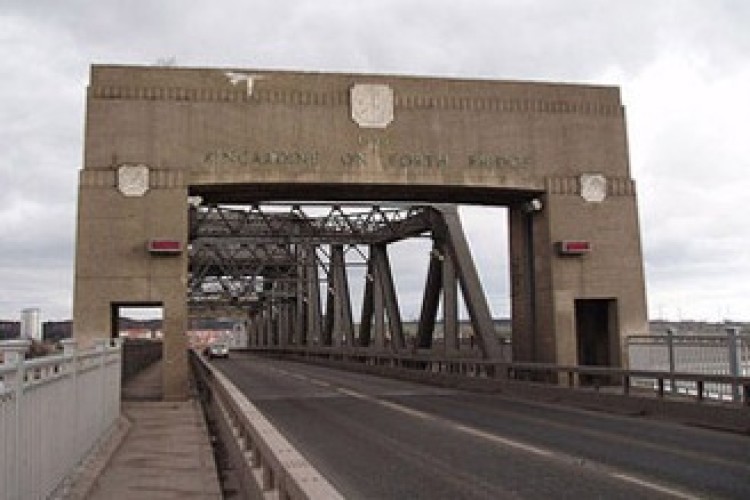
x=164, y=247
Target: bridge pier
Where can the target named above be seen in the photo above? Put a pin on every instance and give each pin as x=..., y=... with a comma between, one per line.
x=174, y=357
x=166, y=148
x=115, y=267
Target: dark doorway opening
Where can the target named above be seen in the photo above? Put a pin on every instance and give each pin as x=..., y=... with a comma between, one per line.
x=596, y=334
x=140, y=326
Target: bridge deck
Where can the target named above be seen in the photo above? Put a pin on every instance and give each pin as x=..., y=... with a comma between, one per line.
x=166, y=452
x=379, y=438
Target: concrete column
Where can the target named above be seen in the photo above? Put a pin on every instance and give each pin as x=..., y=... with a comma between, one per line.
x=174, y=355
x=114, y=266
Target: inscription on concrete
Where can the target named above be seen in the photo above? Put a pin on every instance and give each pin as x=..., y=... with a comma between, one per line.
x=498, y=160
x=312, y=158
x=246, y=157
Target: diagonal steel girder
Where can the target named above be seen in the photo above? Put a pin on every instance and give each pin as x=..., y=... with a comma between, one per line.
x=449, y=232
x=252, y=258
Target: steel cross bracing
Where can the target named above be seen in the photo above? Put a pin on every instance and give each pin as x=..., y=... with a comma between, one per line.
x=274, y=264
x=337, y=225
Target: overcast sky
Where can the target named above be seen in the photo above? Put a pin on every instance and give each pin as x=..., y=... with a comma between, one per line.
x=683, y=66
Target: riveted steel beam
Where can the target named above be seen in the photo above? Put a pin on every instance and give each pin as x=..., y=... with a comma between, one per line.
x=430, y=300
x=474, y=297
x=268, y=262
x=384, y=276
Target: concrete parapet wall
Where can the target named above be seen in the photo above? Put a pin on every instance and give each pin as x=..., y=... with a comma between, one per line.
x=266, y=464
x=733, y=418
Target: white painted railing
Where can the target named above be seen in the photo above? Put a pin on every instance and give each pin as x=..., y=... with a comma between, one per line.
x=53, y=410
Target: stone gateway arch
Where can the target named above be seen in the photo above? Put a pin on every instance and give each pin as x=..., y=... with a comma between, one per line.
x=555, y=154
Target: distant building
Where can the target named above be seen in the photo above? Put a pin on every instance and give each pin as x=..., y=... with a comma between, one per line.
x=55, y=331
x=9, y=330
x=140, y=333
x=31, y=325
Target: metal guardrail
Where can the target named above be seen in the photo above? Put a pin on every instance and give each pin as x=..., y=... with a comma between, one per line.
x=617, y=380
x=53, y=410
x=689, y=353
x=266, y=464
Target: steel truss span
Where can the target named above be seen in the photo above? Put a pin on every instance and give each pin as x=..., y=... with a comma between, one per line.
x=271, y=262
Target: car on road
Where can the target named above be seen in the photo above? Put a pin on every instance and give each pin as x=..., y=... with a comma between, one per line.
x=217, y=350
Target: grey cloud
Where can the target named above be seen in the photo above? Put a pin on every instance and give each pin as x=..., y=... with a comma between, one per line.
x=475, y=38
x=687, y=152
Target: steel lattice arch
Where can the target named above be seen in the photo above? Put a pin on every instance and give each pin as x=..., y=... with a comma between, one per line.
x=270, y=265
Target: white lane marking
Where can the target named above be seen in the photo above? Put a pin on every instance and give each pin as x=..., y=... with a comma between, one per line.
x=653, y=486
x=503, y=441
x=300, y=376
x=459, y=427
x=353, y=394
x=511, y=443
x=408, y=411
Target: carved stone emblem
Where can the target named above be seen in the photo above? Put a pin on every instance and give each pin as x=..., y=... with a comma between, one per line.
x=372, y=105
x=593, y=187
x=132, y=180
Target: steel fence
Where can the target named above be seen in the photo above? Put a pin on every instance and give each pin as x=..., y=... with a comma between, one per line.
x=492, y=374
x=699, y=354
x=53, y=410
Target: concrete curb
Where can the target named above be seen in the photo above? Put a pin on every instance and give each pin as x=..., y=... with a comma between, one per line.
x=81, y=481
x=266, y=464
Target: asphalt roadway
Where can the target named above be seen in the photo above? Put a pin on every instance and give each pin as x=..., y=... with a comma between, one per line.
x=380, y=438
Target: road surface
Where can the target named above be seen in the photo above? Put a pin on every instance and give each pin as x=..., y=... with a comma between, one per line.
x=380, y=438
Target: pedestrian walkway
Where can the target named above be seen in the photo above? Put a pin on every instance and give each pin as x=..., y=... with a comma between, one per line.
x=165, y=453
